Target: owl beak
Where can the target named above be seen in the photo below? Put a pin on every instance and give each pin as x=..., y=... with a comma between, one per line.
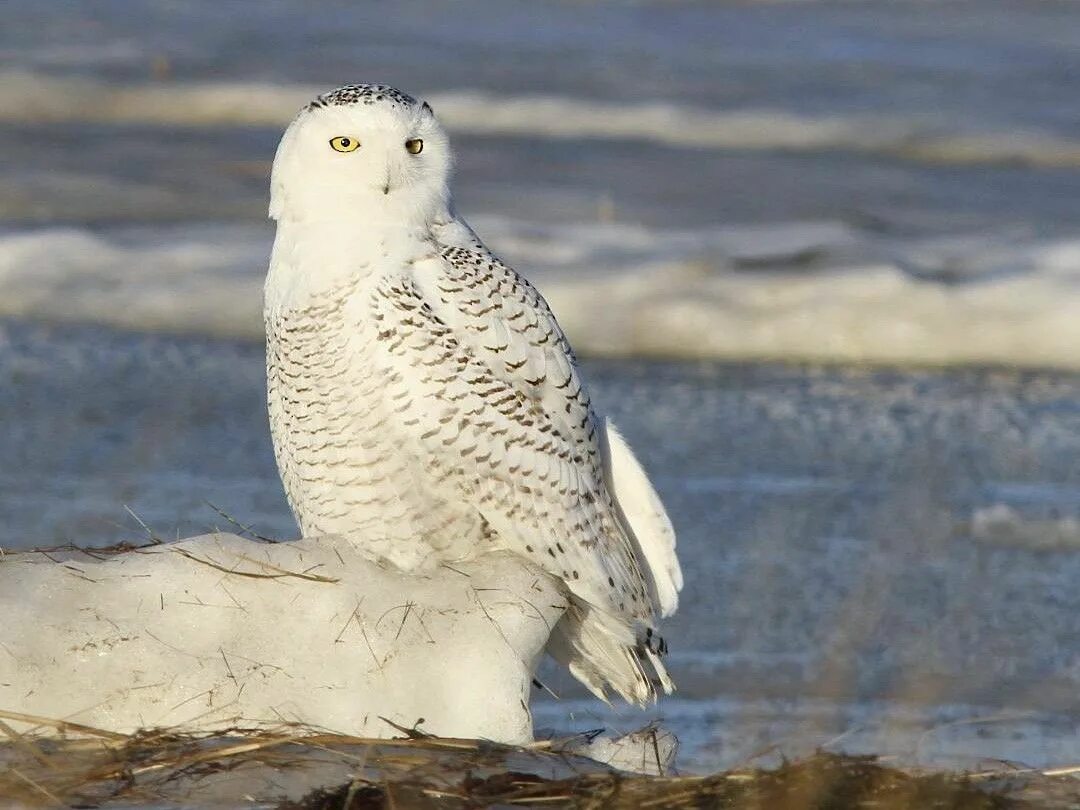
x=394, y=178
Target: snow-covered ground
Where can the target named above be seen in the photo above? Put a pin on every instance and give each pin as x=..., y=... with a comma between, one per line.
x=28, y=98
x=799, y=291
x=888, y=556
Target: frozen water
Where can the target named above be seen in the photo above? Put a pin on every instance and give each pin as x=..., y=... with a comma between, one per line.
x=879, y=553
x=27, y=98
x=801, y=291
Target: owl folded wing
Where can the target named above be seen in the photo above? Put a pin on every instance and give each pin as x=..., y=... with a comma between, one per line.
x=506, y=421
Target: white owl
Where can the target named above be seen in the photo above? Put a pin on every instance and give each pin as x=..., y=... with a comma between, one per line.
x=421, y=393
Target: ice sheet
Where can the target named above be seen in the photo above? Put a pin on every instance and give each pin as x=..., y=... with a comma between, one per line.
x=802, y=291
x=28, y=98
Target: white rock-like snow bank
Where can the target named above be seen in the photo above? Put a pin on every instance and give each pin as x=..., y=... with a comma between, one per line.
x=219, y=631
x=35, y=98
x=796, y=292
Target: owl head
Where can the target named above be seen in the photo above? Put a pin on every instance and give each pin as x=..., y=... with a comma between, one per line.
x=362, y=152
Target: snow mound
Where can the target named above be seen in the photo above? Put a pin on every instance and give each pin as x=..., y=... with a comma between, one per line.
x=218, y=631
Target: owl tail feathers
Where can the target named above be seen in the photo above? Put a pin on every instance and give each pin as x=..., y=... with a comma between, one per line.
x=602, y=653
x=642, y=518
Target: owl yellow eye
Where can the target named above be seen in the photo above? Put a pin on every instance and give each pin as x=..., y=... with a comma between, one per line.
x=414, y=146
x=343, y=143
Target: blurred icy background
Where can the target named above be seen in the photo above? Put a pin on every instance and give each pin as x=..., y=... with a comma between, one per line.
x=876, y=560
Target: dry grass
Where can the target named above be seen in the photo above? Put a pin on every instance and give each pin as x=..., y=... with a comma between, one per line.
x=296, y=768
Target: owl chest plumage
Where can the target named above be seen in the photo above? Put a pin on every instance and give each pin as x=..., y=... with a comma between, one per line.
x=335, y=410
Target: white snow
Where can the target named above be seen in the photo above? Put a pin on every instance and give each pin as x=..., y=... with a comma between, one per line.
x=815, y=291
x=1001, y=525
x=763, y=732
x=219, y=631
x=189, y=284
x=34, y=98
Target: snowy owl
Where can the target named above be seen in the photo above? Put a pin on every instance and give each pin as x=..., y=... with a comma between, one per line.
x=422, y=394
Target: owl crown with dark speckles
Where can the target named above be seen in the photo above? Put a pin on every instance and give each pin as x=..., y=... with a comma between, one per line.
x=367, y=94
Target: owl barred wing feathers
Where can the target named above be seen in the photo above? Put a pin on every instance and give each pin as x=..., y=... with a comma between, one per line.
x=507, y=419
x=514, y=305
x=424, y=401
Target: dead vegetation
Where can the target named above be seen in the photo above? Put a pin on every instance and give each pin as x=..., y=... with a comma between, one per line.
x=293, y=768
x=824, y=782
